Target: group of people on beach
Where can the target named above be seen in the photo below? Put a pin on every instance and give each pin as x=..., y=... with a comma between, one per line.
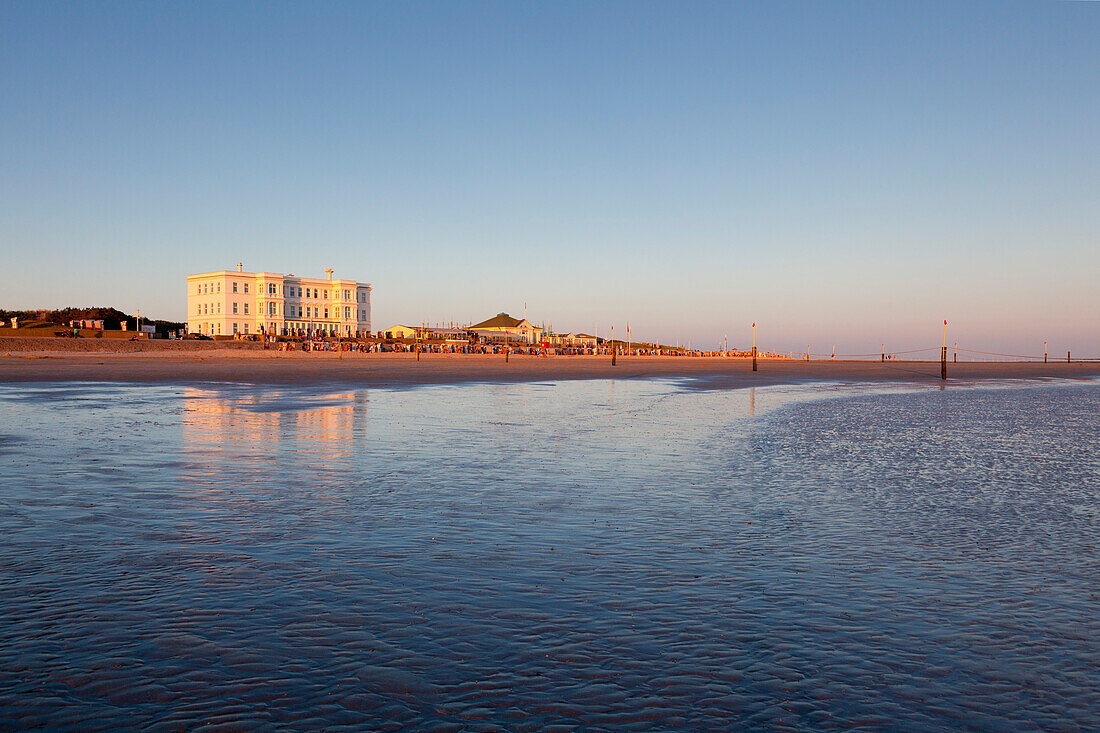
x=319, y=345
x=407, y=347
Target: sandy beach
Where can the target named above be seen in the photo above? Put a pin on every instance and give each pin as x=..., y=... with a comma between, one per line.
x=166, y=362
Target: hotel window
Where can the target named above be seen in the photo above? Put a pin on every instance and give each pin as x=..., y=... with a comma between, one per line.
x=219, y=307
x=234, y=306
x=246, y=328
x=347, y=312
x=316, y=312
x=246, y=287
x=246, y=309
x=347, y=295
x=219, y=287
x=234, y=287
x=219, y=329
x=326, y=312
x=234, y=328
x=271, y=288
x=271, y=309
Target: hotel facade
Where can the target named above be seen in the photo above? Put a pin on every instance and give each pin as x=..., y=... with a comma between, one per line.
x=226, y=302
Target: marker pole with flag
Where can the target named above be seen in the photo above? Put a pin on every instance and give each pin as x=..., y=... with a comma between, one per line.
x=754, y=346
x=943, y=354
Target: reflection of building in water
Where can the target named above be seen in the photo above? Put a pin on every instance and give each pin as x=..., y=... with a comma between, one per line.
x=328, y=425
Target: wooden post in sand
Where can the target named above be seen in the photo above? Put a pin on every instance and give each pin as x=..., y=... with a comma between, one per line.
x=506, y=352
x=613, y=349
x=943, y=354
x=754, y=346
x=1067, y=357
x=1044, y=352
x=884, y=352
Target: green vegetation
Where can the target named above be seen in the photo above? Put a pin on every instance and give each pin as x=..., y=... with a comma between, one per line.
x=112, y=318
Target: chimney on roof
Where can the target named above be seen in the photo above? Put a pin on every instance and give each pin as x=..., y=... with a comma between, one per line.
x=240, y=265
x=329, y=272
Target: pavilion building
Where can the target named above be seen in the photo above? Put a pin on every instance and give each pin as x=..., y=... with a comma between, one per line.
x=502, y=327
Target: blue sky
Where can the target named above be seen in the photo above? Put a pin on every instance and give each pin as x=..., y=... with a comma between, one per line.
x=840, y=173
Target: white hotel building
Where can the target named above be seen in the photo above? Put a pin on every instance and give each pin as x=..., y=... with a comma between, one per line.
x=224, y=303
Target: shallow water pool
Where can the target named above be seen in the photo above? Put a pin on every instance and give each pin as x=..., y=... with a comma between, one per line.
x=589, y=555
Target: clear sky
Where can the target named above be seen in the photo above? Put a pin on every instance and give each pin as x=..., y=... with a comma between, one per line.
x=841, y=173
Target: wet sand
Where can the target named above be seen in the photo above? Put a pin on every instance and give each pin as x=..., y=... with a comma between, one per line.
x=281, y=368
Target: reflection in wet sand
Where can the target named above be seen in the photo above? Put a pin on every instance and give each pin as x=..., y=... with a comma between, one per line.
x=272, y=426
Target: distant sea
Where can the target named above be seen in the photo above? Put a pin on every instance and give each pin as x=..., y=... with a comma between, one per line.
x=591, y=555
